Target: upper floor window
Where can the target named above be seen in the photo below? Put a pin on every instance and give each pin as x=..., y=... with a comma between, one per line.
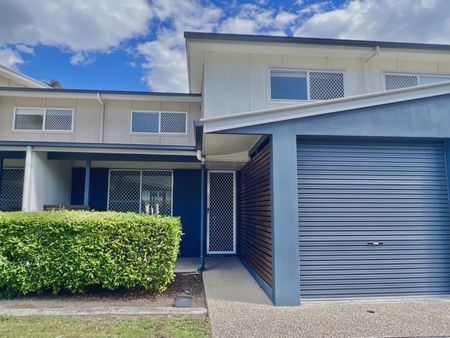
x=294, y=84
x=159, y=122
x=401, y=80
x=45, y=119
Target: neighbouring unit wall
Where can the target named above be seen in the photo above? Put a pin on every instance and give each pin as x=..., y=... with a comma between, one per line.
x=255, y=208
x=87, y=121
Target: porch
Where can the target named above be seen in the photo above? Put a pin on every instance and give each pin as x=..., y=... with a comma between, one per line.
x=35, y=178
x=215, y=201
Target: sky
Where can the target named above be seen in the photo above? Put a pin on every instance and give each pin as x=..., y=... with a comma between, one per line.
x=139, y=45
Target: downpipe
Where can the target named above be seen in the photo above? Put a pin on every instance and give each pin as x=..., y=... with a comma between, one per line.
x=202, y=160
x=375, y=53
x=102, y=120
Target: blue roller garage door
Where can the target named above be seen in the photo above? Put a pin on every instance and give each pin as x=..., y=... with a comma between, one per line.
x=374, y=219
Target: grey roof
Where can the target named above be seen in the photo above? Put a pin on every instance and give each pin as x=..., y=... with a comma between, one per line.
x=95, y=91
x=312, y=41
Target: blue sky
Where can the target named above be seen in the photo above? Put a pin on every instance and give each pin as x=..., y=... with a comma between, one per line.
x=139, y=45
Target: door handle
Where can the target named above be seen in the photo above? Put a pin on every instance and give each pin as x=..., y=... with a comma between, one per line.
x=375, y=243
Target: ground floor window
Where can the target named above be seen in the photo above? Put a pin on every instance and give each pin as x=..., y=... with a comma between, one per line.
x=11, y=189
x=142, y=191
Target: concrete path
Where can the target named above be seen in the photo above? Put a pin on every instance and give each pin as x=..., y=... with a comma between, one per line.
x=102, y=310
x=187, y=264
x=239, y=308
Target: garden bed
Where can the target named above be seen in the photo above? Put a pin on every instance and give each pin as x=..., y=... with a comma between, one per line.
x=184, y=284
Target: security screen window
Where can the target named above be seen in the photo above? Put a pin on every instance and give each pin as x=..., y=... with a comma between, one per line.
x=288, y=85
x=145, y=122
x=29, y=119
x=400, y=80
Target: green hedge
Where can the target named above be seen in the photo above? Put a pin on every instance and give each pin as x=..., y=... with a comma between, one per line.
x=72, y=250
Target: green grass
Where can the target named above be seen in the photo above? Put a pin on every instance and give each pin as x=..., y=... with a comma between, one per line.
x=103, y=326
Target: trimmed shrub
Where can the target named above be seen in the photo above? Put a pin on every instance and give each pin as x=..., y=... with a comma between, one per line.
x=73, y=250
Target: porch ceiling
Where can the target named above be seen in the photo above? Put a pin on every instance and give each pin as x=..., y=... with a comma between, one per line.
x=227, y=147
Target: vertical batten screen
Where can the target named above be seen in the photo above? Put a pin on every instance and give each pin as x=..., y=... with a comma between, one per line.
x=12, y=189
x=255, y=211
x=222, y=213
x=138, y=190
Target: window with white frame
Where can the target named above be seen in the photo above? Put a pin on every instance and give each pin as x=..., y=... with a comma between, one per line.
x=295, y=84
x=402, y=80
x=160, y=122
x=141, y=191
x=45, y=119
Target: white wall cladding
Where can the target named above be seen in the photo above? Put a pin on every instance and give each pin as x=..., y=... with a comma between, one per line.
x=238, y=82
x=355, y=195
x=87, y=120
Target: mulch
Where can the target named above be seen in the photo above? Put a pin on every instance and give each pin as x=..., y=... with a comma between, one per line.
x=184, y=284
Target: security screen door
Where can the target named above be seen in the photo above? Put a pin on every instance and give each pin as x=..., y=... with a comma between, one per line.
x=221, y=230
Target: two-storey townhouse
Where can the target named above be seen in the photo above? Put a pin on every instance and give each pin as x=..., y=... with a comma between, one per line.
x=321, y=163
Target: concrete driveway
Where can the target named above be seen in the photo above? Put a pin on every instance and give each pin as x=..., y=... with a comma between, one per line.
x=239, y=308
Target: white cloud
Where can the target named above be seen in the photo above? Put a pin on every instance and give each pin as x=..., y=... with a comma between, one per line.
x=81, y=58
x=77, y=25
x=165, y=57
x=388, y=20
x=253, y=19
x=25, y=49
x=85, y=27
x=9, y=57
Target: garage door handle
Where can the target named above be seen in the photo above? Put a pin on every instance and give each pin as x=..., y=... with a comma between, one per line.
x=374, y=243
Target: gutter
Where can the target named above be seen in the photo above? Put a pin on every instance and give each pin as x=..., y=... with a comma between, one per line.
x=375, y=53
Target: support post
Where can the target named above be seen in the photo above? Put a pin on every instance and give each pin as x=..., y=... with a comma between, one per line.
x=202, y=218
x=27, y=180
x=284, y=191
x=87, y=182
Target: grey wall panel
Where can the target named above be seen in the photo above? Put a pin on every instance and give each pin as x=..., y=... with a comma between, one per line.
x=352, y=194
